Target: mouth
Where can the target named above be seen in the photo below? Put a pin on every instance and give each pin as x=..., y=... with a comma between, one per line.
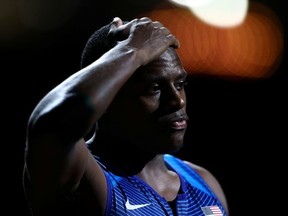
x=176, y=122
x=180, y=124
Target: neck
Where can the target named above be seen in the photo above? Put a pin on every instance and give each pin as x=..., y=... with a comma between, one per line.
x=154, y=169
x=121, y=157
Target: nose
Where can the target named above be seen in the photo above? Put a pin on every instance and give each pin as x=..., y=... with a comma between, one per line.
x=174, y=99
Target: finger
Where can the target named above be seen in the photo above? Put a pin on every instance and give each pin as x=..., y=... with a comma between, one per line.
x=119, y=31
x=175, y=43
x=116, y=23
x=145, y=19
x=157, y=24
x=164, y=30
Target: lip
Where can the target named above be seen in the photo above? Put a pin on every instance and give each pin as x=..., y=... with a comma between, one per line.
x=179, y=118
x=180, y=124
x=176, y=122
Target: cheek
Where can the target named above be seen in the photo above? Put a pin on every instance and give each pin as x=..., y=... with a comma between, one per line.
x=134, y=112
x=148, y=104
x=139, y=116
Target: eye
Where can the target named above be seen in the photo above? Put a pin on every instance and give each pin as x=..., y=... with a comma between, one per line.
x=180, y=85
x=153, y=89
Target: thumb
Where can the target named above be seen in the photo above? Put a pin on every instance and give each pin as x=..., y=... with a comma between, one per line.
x=118, y=30
x=116, y=23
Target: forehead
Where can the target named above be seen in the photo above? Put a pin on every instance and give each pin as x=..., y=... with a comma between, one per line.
x=167, y=65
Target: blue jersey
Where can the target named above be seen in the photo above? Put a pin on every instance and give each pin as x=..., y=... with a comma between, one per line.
x=129, y=195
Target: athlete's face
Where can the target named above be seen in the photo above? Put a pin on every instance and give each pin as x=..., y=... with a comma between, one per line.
x=150, y=110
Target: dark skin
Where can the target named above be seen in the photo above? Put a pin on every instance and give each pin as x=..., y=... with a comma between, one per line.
x=136, y=92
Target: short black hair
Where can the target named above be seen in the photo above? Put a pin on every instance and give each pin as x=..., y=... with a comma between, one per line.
x=98, y=44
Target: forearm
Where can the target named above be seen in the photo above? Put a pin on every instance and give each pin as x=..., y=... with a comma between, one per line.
x=80, y=100
x=102, y=80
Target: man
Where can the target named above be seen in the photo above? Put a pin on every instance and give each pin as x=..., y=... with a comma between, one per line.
x=130, y=93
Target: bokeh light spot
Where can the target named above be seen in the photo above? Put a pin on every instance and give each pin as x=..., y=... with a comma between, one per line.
x=252, y=49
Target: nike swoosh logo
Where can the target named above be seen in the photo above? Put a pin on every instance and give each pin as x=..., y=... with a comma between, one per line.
x=133, y=207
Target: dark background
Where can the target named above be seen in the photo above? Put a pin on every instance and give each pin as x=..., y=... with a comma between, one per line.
x=237, y=129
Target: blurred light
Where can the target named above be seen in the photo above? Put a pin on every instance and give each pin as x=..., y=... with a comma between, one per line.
x=252, y=49
x=222, y=13
x=192, y=3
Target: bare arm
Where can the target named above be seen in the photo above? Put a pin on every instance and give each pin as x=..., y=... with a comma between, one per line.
x=56, y=154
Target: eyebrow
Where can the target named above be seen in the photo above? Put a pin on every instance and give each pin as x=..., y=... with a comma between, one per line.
x=154, y=78
x=182, y=74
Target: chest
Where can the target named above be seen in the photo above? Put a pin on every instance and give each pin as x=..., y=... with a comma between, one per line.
x=134, y=197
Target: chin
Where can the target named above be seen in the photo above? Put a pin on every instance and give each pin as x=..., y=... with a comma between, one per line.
x=171, y=149
x=177, y=146
x=173, y=146
x=177, y=138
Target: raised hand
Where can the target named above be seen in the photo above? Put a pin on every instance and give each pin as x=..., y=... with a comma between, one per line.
x=149, y=38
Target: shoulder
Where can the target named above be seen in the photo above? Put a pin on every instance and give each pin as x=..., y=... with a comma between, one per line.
x=211, y=180
x=203, y=172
